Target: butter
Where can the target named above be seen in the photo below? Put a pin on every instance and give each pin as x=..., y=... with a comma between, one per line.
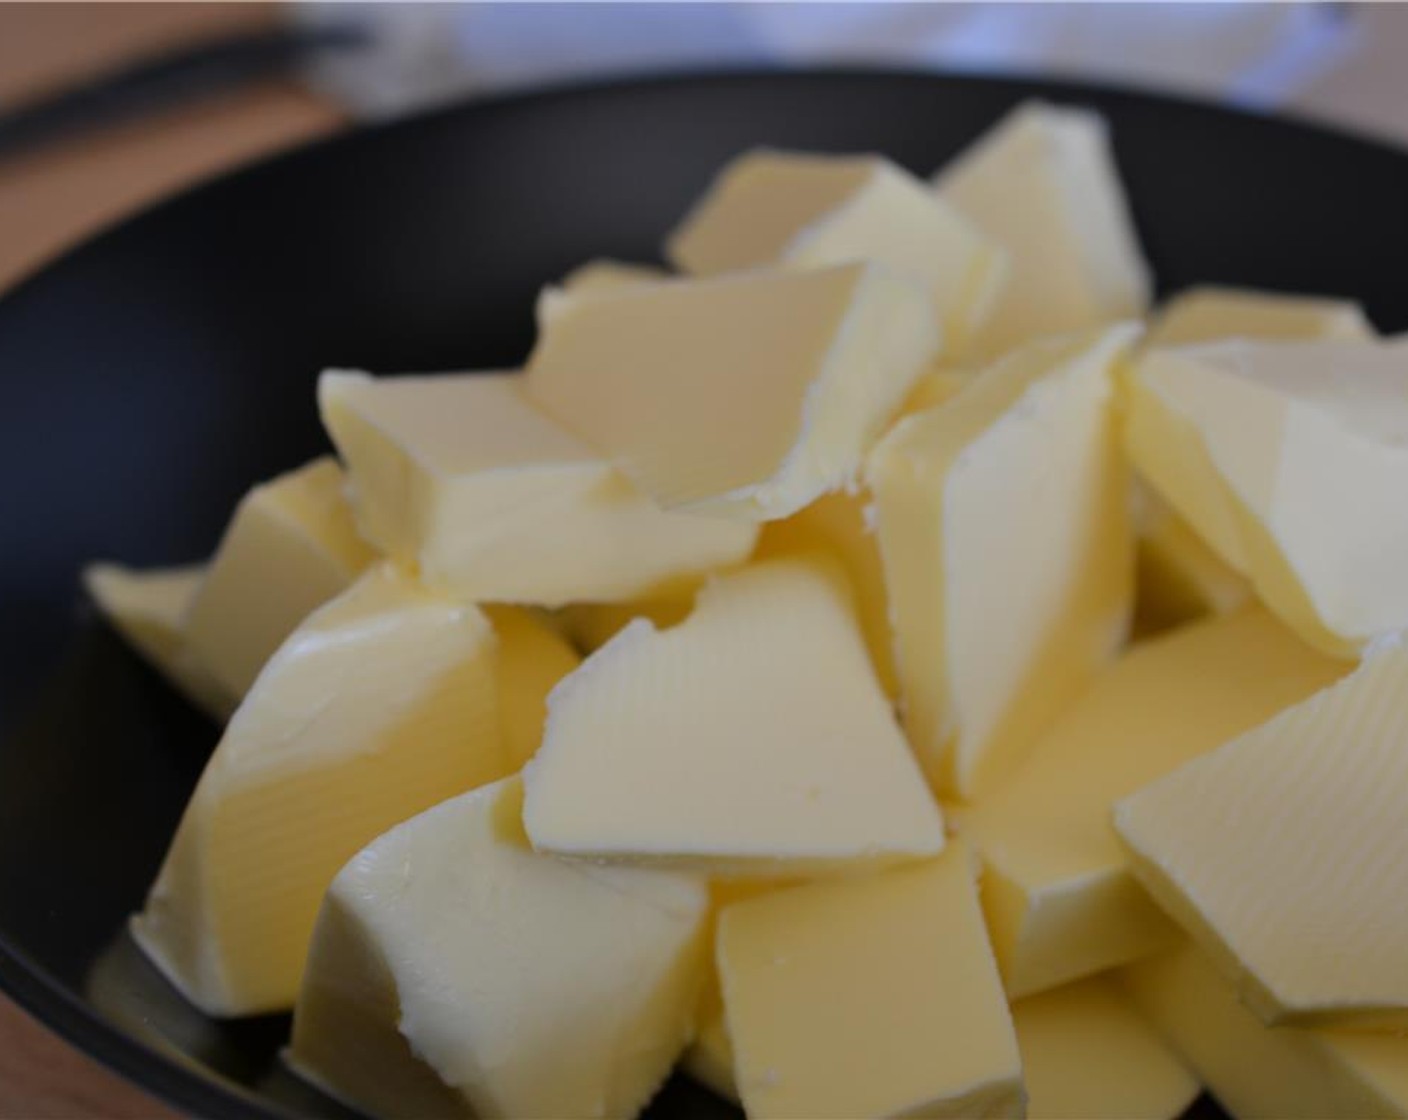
x=1004, y=529
x=453, y=972
x=604, y=275
x=1043, y=185
x=592, y=625
x=290, y=547
x=148, y=608
x=1284, y=852
x=533, y=657
x=756, y=725
x=869, y=996
x=748, y=395
x=459, y=477
x=1208, y=313
x=1177, y=577
x=382, y=703
x=1057, y=889
x=1259, y=1071
x=1259, y=446
x=795, y=210
x=938, y=385
x=1088, y=1054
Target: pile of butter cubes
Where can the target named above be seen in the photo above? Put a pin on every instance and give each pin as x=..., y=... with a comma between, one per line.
x=877, y=667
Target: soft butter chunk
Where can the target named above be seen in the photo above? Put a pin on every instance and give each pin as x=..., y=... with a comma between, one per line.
x=596, y=277
x=1043, y=185
x=533, y=657
x=490, y=500
x=748, y=394
x=454, y=972
x=1057, y=888
x=1255, y=1071
x=290, y=547
x=756, y=725
x=1177, y=577
x=1209, y=313
x=1088, y=1054
x=380, y=704
x=796, y=210
x=1003, y=522
x=149, y=609
x=1286, y=856
x=1291, y=460
x=869, y=996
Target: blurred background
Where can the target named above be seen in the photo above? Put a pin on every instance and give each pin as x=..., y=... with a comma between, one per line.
x=105, y=108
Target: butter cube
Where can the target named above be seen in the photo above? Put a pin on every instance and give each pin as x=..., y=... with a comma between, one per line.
x=793, y=210
x=1004, y=529
x=1209, y=313
x=533, y=657
x=454, y=972
x=461, y=478
x=290, y=547
x=1057, y=889
x=379, y=705
x=1260, y=445
x=149, y=608
x=748, y=395
x=1088, y=1054
x=869, y=996
x=1043, y=185
x=1260, y=1071
x=592, y=625
x=837, y=523
x=756, y=725
x=1285, y=853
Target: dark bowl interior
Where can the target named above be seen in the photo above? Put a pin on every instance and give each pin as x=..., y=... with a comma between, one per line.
x=150, y=377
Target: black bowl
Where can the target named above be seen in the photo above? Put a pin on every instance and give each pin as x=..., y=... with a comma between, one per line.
x=151, y=376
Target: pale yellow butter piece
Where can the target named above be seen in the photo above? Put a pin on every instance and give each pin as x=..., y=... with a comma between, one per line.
x=869, y=996
x=454, y=972
x=797, y=210
x=149, y=609
x=533, y=657
x=1003, y=521
x=1088, y=1054
x=1208, y=313
x=1285, y=854
x=1291, y=460
x=290, y=547
x=1255, y=1071
x=1043, y=185
x=592, y=625
x=1057, y=889
x=462, y=478
x=749, y=394
x=604, y=275
x=1177, y=577
x=756, y=724
x=381, y=703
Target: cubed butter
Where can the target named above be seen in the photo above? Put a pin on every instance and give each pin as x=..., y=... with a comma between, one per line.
x=533, y=657
x=1291, y=460
x=1043, y=185
x=758, y=728
x=454, y=972
x=382, y=703
x=290, y=547
x=1003, y=521
x=1209, y=313
x=749, y=394
x=1088, y=1054
x=1267, y=1073
x=797, y=210
x=1285, y=852
x=869, y=996
x=1059, y=895
x=149, y=609
x=488, y=499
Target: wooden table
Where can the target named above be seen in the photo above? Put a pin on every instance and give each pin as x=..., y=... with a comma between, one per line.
x=48, y=202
